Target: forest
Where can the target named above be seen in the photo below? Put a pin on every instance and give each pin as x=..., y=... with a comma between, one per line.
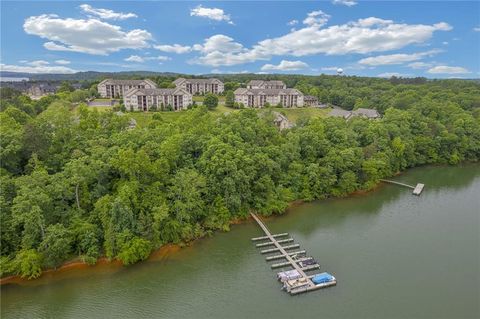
x=77, y=183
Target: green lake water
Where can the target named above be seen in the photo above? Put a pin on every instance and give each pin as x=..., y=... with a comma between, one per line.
x=395, y=255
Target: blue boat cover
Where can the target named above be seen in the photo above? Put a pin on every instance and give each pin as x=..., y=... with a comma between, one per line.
x=322, y=278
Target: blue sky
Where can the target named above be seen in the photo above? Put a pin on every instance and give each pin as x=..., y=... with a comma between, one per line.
x=366, y=38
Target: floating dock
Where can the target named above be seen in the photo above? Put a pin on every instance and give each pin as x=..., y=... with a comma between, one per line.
x=417, y=190
x=293, y=260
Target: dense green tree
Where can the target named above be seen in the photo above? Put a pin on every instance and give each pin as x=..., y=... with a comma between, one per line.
x=229, y=99
x=210, y=101
x=56, y=246
x=27, y=264
x=65, y=87
x=134, y=251
x=11, y=143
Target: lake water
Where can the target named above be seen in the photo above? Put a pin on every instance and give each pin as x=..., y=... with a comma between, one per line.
x=395, y=255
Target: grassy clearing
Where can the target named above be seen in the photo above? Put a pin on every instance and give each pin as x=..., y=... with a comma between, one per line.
x=144, y=118
x=101, y=108
x=308, y=112
x=201, y=98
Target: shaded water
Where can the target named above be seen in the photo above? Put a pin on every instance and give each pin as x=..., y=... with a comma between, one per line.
x=395, y=255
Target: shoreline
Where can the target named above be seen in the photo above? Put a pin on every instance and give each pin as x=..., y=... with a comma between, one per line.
x=103, y=262
x=160, y=253
x=164, y=251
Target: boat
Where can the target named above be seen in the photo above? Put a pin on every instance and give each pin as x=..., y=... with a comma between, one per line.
x=288, y=275
x=307, y=262
x=296, y=285
x=323, y=278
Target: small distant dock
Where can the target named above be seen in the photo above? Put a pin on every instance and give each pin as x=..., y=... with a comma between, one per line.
x=295, y=280
x=417, y=190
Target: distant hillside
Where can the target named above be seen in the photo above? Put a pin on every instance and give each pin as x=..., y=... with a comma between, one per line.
x=289, y=79
x=81, y=76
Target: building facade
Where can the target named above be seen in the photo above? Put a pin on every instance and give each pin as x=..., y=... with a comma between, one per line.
x=259, y=97
x=310, y=100
x=200, y=86
x=37, y=91
x=158, y=99
x=260, y=84
x=113, y=89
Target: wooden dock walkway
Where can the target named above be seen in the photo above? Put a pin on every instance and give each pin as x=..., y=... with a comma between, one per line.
x=291, y=257
x=417, y=190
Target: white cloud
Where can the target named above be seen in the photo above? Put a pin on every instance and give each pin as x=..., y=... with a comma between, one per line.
x=139, y=59
x=360, y=37
x=390, y=74
x=329, y=68
x=222, y=50
x=106, y=13
x=211, y=13
x=399, y=58
x=445, y=69
x=84, y=35
x=285, y=66
x=419, y=65
x=477, y=29
x=218, y=71
x=159, y=58
x=219, y=42
x=175, y=48
x=316, y=18
x=445, y=42
x=38, y=68
x=37, y=63
x=62, y=62
x=348, y=3
x=134, y=58
x=372, y=21
x=292, y=22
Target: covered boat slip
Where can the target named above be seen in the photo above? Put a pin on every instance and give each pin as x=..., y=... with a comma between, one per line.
x=295, y=280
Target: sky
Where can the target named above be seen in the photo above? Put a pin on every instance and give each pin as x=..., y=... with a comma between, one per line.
x=434, y=39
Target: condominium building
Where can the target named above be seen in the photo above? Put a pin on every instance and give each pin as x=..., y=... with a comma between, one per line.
x=261, y=84
x=110, y=88
x=159, y=99
x=259, y=97
x=200, y=86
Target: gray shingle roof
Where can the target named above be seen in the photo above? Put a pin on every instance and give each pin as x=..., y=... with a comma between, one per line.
x=156, y=91
x=267, y=91
x=370, y=113
x=310, y=98
x=199, y=81
x=262, y=82
x=124, y=82
x=340, y=113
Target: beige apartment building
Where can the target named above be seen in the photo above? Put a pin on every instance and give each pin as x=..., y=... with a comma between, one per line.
x=200, y=86
x=259, y=97
x=110, y=88
x=147, y=99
